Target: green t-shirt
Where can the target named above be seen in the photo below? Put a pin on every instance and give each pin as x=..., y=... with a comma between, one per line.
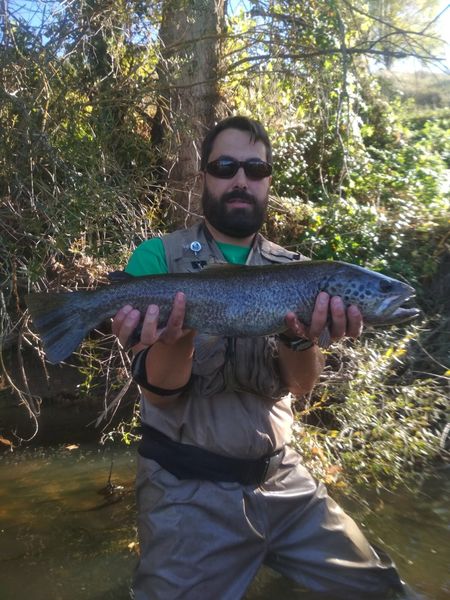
x=149, y=258
x=237, y=255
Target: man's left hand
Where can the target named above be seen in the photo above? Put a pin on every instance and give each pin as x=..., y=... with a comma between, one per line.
x=344, y=323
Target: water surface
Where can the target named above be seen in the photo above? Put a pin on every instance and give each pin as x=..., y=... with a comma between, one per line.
x=63, y=537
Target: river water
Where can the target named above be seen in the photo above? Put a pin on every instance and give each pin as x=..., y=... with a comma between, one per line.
x=63, y=537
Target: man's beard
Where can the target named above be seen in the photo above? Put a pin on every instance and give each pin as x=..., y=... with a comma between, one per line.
x=234, y=222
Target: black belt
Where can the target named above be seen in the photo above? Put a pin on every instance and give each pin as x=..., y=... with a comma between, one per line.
x=191, y=462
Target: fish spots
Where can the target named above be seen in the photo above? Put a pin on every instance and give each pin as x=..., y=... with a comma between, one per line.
x=352, y=292
x=358, y=292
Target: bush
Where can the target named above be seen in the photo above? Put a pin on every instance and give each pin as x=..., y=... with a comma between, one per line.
x=374, y=422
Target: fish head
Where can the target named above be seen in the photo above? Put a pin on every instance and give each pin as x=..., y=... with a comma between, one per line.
x=380, y=298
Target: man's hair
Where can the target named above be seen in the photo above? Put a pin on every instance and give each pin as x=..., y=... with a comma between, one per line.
x=254, y=128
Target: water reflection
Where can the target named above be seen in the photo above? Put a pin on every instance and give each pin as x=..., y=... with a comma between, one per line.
x=64, y=536
x=57, y=530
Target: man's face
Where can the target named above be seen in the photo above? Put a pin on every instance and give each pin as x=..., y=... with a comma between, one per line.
x=236, y=206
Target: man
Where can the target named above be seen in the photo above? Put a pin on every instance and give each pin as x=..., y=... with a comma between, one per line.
x=219, y=491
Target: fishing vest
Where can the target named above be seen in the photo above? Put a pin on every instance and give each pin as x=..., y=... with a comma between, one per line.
x=190, y=250
x=236, y=403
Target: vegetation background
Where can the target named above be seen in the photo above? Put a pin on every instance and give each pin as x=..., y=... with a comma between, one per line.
x=102, y=107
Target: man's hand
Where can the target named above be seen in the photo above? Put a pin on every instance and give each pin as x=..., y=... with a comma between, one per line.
x=300, y=370
x=127, y=319
x=344, y=323
x=169, y=362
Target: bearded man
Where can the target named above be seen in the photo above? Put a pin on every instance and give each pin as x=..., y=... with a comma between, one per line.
x=219, y=490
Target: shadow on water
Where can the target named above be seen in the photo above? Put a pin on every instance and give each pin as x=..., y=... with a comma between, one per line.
x=66, y=534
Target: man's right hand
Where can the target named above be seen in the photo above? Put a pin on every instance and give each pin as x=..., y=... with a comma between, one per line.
x=127, y=319
x=169, y=362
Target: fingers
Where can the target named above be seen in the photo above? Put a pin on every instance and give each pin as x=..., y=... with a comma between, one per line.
x=320, y=316
x=294, y=326
x=354, y=322
x=174, y=328
x=149, y=334
x=124, y=323
x=338, y=314
x=127, y=319
x=344, y=322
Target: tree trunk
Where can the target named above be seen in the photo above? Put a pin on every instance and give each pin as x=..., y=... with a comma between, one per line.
x=189, y=98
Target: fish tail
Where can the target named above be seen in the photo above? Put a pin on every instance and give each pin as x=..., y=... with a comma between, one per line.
x=60, y=322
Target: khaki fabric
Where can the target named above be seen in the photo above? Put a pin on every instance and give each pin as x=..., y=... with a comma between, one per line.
x=236, y=404
x=201, y=539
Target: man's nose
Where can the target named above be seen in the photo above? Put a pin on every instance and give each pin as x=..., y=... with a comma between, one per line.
x=240, y=179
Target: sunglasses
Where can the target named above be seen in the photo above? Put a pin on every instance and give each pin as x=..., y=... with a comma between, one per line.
x=225, y=168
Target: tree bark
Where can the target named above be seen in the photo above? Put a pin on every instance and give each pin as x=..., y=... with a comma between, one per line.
x=189, y=99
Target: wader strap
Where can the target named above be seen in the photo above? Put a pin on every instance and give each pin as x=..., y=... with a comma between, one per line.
x=191, y=462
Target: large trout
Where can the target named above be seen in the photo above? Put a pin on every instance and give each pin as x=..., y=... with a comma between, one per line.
x=221, y=300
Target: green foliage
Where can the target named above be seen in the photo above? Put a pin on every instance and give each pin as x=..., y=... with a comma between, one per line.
x=428, y=90
x=77, y=171
x=360, y=175
x=382, y=424
x=391, y=209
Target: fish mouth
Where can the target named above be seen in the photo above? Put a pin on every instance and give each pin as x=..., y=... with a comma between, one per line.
x=402, y=315
x=396, y=310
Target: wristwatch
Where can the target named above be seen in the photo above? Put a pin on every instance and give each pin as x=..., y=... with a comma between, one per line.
x=297, y=344
x=139, y=374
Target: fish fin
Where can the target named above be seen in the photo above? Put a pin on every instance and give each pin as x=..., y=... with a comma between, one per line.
x=120, y=277
x=325, y=338
x=222, y=267
x=204, y=345
x=58, y=322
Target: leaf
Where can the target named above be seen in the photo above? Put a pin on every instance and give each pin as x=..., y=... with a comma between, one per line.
x=133, y=547
x=334, y=470
x=317, y=451
x=6, y=442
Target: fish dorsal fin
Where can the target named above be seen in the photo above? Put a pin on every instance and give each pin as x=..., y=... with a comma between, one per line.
x=217, y=267
x=120, y=277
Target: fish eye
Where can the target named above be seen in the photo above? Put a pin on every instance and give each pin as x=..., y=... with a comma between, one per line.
x=385, y=286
